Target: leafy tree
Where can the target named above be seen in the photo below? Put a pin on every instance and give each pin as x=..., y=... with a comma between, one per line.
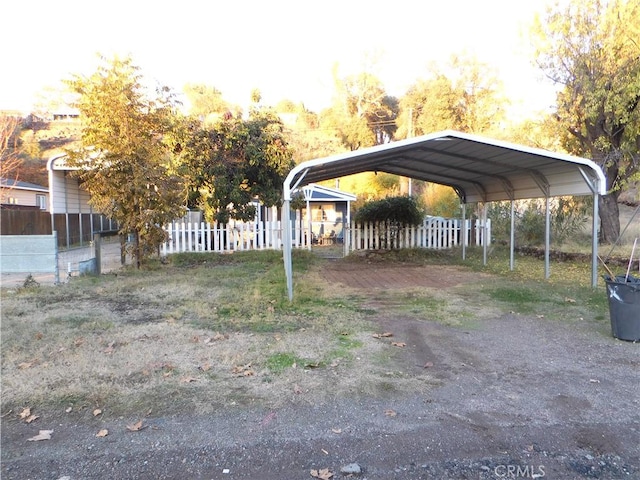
x=363, y=114
x=592, y=49
x=233, y=162
x=124, y=161
x=441, y=200
x=205, y=101
x=465, y=95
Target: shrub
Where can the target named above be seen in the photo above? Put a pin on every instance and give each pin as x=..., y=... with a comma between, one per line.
x=401, y=210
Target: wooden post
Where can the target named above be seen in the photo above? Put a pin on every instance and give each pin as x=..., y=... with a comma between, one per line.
x=97, y=245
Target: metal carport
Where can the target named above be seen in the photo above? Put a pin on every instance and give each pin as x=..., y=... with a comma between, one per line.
x=479, y=169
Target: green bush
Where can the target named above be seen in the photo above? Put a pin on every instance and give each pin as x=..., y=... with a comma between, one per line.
x=401, y=210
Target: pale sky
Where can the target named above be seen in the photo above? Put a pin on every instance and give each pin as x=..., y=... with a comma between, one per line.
x=285, y=48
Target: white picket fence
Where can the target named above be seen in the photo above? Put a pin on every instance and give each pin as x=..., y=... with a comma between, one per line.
x=434, y=233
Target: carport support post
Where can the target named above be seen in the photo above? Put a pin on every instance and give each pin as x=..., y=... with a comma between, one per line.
x=547, y=236
x=484, y=233
x=286, y=247
x=594, y=242
x=512, y=239
x=463, y=230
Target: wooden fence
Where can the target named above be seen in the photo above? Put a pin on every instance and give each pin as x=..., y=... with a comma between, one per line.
x=435, y=233
x=73, y=229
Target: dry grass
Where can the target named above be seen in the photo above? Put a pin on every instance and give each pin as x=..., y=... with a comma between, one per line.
x=209, y=332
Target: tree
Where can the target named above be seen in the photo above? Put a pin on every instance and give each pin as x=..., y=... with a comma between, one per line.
x=205, y=101
x=363, y=114
x=124, y=161
x=234, y=162
x=10, y=160
x=464, y=95
x=592, y=49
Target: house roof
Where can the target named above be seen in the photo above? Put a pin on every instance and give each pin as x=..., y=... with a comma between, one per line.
x=314, y=192
x=18, y=185
x=479, y=169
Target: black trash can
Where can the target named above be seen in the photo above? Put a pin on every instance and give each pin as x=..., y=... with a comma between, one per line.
x=624, y=306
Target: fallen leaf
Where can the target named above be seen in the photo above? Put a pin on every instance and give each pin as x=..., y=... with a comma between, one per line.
x=31, y=418
x=324, y=451
x=68, y=409
x=97, y=412
x=569, y=300
x=428, y=365
x=242, y=370
x=593, y=380
x=25, y=413
x=195, y=339
x=43, y=435
x=540, y=316
x=217, y=337
x=102, y=433
x=297, y=389
x=136, y=427
x=205, y=367
x=336, y=430
x=399, y=344
x=25, y=365
x=188, y=379
x=390, y=413
x=78, y=341
x=382, y=335
x=323, y=474
x=110, y=348
x=39, y=336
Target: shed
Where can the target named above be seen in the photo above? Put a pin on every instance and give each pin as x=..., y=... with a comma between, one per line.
x=479, y=169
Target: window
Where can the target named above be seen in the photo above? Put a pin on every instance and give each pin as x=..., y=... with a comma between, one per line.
x=41, y=201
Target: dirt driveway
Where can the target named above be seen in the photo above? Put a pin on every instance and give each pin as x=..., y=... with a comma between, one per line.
x=516, y=397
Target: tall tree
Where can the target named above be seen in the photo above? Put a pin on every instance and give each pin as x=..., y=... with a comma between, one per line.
x=363, y=114
x=233, y=162
x=592, y=49
x=463, y=95
x=124, y=162
x=205, y=101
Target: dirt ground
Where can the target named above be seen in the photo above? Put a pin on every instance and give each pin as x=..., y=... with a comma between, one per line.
x=517, y=397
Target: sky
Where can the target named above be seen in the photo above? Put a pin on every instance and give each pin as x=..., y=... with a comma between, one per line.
x=284, y=48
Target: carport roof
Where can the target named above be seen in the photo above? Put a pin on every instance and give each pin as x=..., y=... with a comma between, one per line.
x=479, y=169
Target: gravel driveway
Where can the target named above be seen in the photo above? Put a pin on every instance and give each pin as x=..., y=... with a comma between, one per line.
x=516, y=397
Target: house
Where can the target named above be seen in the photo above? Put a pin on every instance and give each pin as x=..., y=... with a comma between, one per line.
x=24, y=195
x=327, y=212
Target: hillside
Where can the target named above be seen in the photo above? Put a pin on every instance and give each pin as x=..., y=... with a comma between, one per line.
x=42, y=141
